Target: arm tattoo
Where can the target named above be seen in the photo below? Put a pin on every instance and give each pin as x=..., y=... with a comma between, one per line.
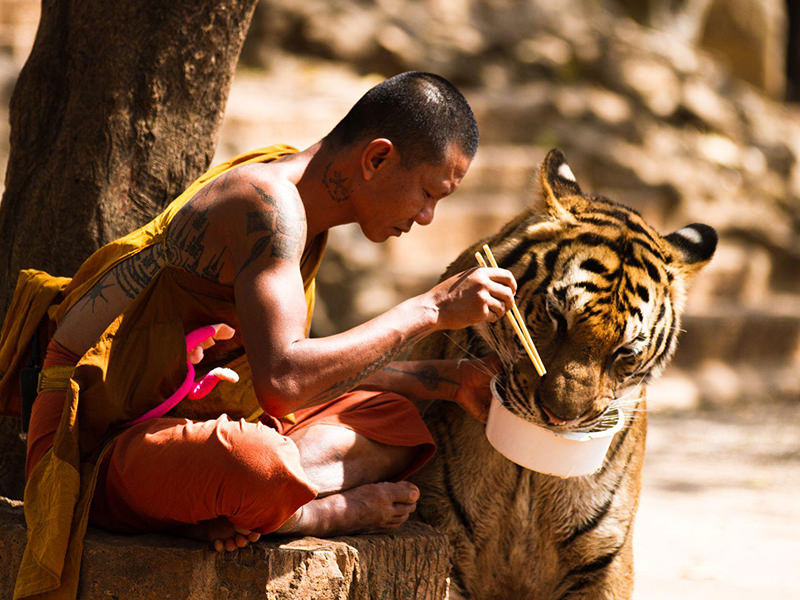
x=281, y=235
x=135, y=273
x=335, y=183
x=186, y=245
x=428, y=376
x=348, y=384
x=96, y=293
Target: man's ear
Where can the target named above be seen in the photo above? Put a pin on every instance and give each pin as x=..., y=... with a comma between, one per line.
x=374, y=155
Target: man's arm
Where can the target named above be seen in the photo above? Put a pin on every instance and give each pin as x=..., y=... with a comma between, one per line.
x=463, y=381
x=291, y=371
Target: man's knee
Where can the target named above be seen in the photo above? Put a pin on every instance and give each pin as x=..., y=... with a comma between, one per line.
x=262, y=481
x=253, y=453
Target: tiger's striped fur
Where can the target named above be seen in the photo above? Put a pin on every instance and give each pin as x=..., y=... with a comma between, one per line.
x=602, y=294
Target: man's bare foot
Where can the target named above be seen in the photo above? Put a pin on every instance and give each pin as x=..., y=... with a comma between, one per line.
x=374, y=507
x=239, y=538
x=221, y=533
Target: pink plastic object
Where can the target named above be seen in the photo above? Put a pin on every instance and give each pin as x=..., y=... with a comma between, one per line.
x=194, y=390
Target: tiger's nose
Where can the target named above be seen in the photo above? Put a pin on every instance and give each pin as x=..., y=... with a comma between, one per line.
x=557, y=421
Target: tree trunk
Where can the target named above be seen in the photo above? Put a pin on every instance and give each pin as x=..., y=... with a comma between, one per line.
x=793, y=52
x=115, y=112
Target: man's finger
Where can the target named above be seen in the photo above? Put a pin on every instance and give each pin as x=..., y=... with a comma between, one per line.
x=504, y=277
x=223, y=331
x=195, y=355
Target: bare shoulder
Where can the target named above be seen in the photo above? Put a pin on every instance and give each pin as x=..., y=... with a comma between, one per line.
x=247, y=215
x=265, y=218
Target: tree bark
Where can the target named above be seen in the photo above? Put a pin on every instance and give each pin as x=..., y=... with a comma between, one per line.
x=115, y=112
x=793, y=52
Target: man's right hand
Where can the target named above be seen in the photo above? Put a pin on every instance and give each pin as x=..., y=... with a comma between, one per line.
x=473, y=296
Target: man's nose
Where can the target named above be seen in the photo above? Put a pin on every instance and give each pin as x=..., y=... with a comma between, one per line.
x=425, y=216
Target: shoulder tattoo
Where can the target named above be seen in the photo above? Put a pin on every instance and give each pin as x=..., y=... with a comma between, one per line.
x=186, y=247
x=279, y=235
x=96, y=293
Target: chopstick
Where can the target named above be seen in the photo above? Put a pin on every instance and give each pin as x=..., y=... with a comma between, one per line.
x=516, y=320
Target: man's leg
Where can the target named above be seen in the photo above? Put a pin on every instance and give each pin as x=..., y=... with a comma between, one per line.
x=352, y=449
x=352, y=474
x=227, y=481
x=219, y=477
x=336, y=458
x=167, y=474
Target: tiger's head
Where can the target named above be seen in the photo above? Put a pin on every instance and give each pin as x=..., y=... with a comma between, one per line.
x=602, y=293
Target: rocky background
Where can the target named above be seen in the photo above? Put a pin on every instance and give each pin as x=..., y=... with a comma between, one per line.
x=677, y=112
x=683, y=109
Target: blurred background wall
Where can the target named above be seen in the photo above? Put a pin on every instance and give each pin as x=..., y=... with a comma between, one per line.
x=677, y=108
x=684, y=109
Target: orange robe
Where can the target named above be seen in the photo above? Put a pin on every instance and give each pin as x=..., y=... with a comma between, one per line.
x=137, y=362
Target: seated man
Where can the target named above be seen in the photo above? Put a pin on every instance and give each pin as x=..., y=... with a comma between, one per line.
x=239, y=250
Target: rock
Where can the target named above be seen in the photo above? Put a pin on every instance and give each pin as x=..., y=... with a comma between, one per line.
x=711, y=108
x=750, y=37
x=739, y=336
x=653, y=82
x=411, y=564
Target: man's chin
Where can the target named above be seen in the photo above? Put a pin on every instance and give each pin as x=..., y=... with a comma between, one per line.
x=383, y=235
x=378, y=237
x=393, y=232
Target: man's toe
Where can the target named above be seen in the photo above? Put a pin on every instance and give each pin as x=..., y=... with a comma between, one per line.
x=410, y=493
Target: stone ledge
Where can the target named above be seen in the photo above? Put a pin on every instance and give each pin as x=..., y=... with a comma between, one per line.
x=412, y=563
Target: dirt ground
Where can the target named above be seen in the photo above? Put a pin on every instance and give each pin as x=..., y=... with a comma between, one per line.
x=720, y=507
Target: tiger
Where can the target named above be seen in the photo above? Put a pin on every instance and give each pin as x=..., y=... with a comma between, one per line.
x=602, y=294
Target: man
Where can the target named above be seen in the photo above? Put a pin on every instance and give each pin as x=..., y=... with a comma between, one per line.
x=239, y=250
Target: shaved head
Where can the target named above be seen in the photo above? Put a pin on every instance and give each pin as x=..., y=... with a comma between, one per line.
x=422, y=114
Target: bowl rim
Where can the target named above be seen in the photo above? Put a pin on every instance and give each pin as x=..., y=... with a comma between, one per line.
x=574, y=436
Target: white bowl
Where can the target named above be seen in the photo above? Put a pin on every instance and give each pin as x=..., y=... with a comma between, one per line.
x=540, y=449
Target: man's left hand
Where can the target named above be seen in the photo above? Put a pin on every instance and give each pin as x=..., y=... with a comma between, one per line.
x=473, y=393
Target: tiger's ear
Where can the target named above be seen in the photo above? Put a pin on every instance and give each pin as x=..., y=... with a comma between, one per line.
x=561, y=193
x=693, y=246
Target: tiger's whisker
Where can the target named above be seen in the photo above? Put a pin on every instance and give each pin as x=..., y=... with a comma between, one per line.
x=471, y=355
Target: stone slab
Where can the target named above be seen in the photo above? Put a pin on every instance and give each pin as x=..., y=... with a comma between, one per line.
x=411, y=563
